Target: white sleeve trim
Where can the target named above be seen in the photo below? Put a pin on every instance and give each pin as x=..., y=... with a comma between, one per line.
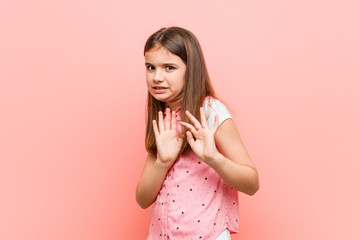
x=212, y=107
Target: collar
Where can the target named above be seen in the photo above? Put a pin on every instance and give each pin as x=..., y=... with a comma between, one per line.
x=177, y=112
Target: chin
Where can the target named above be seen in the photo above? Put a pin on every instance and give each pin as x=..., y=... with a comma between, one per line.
x=160, y=98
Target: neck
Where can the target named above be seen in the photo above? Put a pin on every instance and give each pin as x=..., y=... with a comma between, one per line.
x=174, y=106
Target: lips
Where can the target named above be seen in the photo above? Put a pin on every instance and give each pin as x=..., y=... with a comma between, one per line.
x=159, y=89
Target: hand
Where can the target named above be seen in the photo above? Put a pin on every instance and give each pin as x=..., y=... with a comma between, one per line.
x=204, y=143
x=168, y=142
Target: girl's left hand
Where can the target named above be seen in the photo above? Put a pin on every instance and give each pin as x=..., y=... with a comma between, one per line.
x=204, y=143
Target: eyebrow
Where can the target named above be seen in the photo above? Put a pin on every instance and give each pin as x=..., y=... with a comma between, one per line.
x=163, y=64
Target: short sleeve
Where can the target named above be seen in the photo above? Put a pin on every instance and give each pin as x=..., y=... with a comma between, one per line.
x=214, y=107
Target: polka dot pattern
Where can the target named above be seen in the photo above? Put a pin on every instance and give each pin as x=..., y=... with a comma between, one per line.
x=194, y=202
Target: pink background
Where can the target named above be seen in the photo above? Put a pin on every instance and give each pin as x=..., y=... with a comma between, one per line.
x=72, y=101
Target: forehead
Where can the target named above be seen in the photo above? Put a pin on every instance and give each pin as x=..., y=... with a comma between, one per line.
x=159, y=54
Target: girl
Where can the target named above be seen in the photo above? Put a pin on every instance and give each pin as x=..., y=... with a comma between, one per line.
x=196, y=161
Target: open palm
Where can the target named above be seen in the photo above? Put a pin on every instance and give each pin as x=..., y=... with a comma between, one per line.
x=204, y=143
x=168, y=142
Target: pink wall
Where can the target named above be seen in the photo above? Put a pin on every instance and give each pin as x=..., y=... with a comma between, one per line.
x=72, y=98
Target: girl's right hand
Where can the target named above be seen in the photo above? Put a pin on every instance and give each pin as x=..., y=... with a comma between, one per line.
x=167, y=140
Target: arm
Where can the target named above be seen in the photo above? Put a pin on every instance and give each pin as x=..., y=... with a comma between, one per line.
x=168, y=146
x=232, y=161
x=151, y=181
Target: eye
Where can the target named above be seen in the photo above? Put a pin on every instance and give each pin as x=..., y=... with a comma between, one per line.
x=170, y=68
x=149, y=67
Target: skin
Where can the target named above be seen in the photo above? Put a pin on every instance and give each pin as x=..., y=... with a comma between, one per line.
x=164, y=69
x=231, y=161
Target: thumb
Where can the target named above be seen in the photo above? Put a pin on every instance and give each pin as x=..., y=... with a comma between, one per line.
x=216, y=124
x=190, y=138
x=179, y=139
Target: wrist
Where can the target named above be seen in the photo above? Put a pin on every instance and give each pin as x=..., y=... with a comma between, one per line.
x=215, y=158
x=163, y=165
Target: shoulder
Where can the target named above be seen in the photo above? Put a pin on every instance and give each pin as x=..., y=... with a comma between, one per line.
x=212, y=107
x=215, y=105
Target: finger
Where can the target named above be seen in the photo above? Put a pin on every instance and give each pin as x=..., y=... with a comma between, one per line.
x=216, y=124
x=203, y=118
x=173, y=121
x=190, y=139
x=155, y=128
x=193, y=120
x=179, y=140
x=167, y=119
x=161, y=122
x=190, y=127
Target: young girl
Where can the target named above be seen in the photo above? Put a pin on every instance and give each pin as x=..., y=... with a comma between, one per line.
x=196, y=161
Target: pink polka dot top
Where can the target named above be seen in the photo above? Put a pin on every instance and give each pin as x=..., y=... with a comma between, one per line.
x=194, y=202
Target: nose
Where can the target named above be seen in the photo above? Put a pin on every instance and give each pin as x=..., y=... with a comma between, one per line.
x=158, y=77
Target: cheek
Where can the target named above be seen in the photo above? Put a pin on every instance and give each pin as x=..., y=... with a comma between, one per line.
x=181, y=82
x=148, y=85
x=148, y=79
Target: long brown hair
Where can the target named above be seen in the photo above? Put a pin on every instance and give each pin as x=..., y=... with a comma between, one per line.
x=197, y=85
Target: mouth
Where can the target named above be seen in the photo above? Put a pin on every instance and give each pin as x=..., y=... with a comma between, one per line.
x=158, y=87
x=159, y=90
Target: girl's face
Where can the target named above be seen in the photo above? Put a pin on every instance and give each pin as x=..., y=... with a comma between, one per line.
x=165, y=75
